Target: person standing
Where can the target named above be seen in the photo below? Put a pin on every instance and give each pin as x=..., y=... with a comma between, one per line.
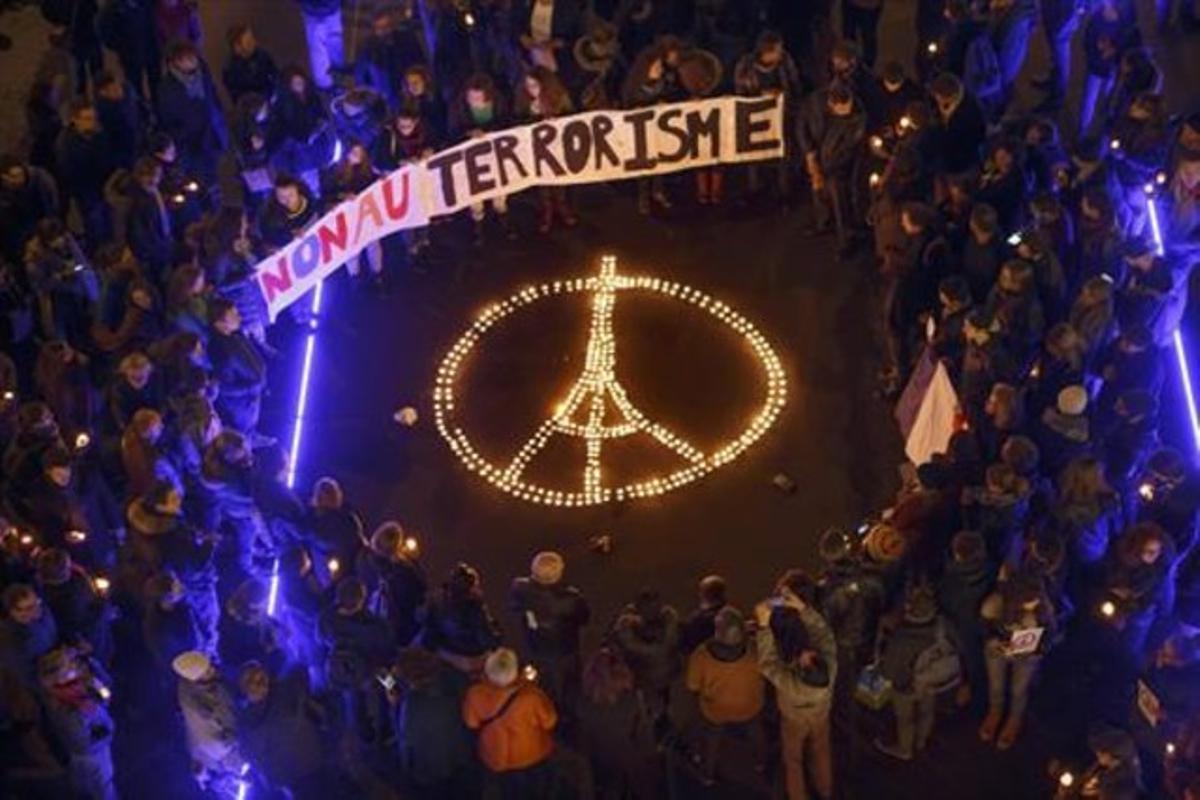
x=85, y=158
x=860, y=24
x=189, y=111
x=831, y=133
x=552, y=616
x=238, y=367
x=797, y=654
x=515, y=721
x=80, y=722
x=724, y=674
x=209, y=717
x=323, y=31
x=250, y=68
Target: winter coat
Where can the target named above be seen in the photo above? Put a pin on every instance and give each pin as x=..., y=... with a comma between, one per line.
x=619, y=740
x=22, y=645
x=432, y=742
x=170, y=632
x=727, y=682
x=981, y=264
x=961, y=137
x=899, y=652
x=256, y=74
x=851, y=602
x=77, y=610
x=751, y=79
x=85, y=162
x=211, y=723
x=391, y=150
x=280, y=735
x=651, y=650
x=237, y=365
x=464, y=629
x=520, y=737
x=358, y=125
x=398, y=590
x=124, y=125
x=149, y=232
x=961, y=590
x=358, y=644
x=836, y=141
x=552, y=616
x=797, y=699
x=279, y=226
x=337, y=533
x=21, y=209
x=1060, y=439
x=197, y=124
x=1089, y=527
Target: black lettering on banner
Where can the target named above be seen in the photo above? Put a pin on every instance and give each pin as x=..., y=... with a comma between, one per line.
x=602, y=126
x=666, y=124
x=708, y=127
x=749, y=126
x=640, y=120
x=543, y=159
x=577, y=145
x=506, y=153
x=444, y=165
x=479, y=172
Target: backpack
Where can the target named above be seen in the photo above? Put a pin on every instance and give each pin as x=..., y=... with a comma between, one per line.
x=938, y=667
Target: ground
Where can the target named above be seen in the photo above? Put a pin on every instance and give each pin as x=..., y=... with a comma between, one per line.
x=835, y=441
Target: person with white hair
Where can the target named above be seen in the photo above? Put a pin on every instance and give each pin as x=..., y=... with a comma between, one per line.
x=552, y=615
x=515, y=721
x=209, y=717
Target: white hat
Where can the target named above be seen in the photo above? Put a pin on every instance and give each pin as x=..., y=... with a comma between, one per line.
x=501, y=667
x=192, y=665
x=547, y=567
x=1073, y=401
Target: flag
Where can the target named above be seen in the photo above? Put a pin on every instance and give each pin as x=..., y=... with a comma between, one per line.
x=914, y=392
x=936, y=421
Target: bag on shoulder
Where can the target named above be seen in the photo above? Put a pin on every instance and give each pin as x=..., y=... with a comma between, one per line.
x=938, y=667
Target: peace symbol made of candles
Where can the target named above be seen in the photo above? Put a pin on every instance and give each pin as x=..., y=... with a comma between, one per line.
x=597, y=395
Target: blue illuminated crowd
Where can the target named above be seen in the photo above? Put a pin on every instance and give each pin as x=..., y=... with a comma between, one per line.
x=158, y=569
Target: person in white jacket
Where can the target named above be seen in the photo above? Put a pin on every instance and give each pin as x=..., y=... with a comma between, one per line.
x=798, y=655
x=210, y=719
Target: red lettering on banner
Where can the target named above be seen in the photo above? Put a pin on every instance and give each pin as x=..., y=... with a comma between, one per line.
x=396, y=211
x=332, y=237
x=367, y=207
x=275, y=282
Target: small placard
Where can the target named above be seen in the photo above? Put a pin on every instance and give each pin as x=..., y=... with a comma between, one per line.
x=1025, y=641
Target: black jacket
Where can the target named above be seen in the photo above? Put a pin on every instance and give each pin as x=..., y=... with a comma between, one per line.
x=551, y=616
x=836, y=140
x=124, y=125
x=237, y=365
x=961, y=137
x=149, y=231
x=257, y=74
x=86, y=162
x=197, y=124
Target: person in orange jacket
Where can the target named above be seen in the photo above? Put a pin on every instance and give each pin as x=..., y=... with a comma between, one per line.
x=515, y=722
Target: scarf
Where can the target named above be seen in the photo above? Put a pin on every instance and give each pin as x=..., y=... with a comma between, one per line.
x=193, y=83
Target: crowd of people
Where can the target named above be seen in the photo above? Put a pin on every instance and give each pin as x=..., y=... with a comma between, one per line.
x=154, y=556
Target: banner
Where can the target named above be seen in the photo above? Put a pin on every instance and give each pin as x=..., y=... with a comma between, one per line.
x=591, y=147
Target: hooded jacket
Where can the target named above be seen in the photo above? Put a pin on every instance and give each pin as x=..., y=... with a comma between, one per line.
x=727, y=681
x=835, y=140
x=797, y=699
x=518, y=738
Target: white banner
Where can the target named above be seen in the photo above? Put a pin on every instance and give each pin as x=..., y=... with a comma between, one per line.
x=591, y=147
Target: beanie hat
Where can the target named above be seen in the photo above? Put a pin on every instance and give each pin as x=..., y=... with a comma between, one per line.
x=547, y=568
x=884, y=544
x=501, y=667
x=1073, y=401
x=729, y=626
x=192, y=665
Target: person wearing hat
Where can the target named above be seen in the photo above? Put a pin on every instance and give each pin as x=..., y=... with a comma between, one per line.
x=552, y=615
x=798, y=656
x=900, y=654
x=966, y=580
x=832, y=127
x=1117, y=771
x=515, y=722
x=1063, y=431
x=79, y=722
x=850, y=598
x=723, y=673
x=209, y=717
